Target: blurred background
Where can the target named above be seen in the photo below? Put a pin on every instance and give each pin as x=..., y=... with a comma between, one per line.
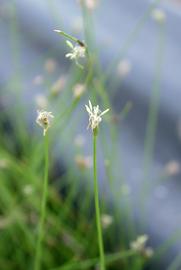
x=134, y=69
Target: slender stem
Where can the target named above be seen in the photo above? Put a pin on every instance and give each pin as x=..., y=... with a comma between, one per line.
x=97, y=207
x=38, y=253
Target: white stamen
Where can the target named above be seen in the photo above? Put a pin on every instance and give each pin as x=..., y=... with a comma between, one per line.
x=94, y=115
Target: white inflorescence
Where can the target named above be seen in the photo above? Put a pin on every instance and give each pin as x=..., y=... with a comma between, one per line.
x=44, y=119
x=139, y=243
x=77, y=51
x=41, y=101
x=94, y=115
x=106, y=220
x=158, y=15
x=78, y=90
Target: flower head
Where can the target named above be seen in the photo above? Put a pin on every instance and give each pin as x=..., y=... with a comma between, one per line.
x=44, y=120
x=83, y=162
x=77, y=52
x=58, y=85
x=106, y=221
x=139, y=244
x=50, y=65
x=159, y=15
x=172, y=168
x=94, y=115
x=78, y=90
x=124, y=67
x=41, y=101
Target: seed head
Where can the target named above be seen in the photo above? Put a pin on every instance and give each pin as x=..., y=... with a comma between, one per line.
x=77, y=52
x=78, y=90
x=158, y=15
x=94, y=115
x=139, y=243
x=44, y=120
x=41, y=101
x=106, y=220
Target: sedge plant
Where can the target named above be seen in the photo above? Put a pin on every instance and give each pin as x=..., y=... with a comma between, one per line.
x=43, y=119
x=94, y=120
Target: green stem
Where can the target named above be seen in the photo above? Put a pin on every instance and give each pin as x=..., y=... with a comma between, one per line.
x=43, y=210
x=97, y=207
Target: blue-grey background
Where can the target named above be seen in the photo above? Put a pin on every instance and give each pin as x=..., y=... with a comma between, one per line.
x=23, y=54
